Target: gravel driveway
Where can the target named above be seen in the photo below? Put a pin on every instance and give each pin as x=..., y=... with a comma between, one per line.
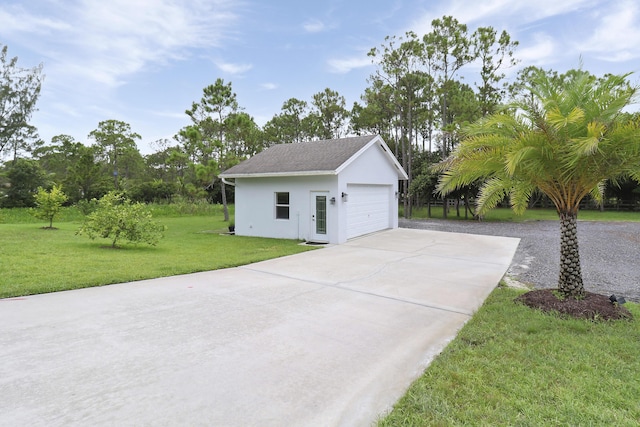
x=609, y=251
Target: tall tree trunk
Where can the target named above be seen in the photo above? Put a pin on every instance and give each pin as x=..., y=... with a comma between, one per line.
x=225, y=209
x=409, y=214
x=405, y=185
x=467, y=206
x=409, y=211
x=570, y=281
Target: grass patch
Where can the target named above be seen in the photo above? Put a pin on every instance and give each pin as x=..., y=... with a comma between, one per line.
x=22, y=216
x=34, y=260
x=507, y=215
x=511, y=365
x=73, y=213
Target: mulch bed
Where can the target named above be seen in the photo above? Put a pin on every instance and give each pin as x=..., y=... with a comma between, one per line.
x=592, y=306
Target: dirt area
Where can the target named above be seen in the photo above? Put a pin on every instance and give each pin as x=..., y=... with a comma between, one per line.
x=592, y=306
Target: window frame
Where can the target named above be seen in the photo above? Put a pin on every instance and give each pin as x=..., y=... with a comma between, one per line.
x=280, y=207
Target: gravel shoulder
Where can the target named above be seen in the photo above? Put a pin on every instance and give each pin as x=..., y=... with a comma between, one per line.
x=609, y=251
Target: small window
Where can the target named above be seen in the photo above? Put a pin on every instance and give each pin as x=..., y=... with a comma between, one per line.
x=282, y=205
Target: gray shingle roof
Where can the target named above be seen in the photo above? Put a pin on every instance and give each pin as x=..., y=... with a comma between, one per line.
x=316, y=156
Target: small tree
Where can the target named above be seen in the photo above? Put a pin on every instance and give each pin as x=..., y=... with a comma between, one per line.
x=117, y=218
x=48, y=203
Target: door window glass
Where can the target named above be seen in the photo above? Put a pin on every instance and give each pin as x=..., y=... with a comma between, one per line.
x=321, y=214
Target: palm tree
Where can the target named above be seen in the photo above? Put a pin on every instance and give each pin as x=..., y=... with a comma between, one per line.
x=566, y=139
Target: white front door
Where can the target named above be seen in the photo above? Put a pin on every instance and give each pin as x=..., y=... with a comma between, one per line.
x=319, y=225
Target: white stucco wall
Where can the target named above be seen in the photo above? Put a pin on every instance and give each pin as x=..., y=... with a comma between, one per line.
x=255, y=206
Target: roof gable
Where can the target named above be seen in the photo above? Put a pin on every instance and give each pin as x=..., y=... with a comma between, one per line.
x=325, y=157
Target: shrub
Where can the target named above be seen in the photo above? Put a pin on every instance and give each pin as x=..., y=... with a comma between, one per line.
x=48, y=203
x=117, y=218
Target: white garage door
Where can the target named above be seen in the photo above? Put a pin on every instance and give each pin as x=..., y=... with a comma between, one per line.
x=368, y=209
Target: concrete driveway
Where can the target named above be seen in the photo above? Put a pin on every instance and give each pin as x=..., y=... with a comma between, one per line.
x=331, y=337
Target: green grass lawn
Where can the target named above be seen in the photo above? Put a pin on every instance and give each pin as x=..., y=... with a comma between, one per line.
x=35, y=260
x=514, y=366
x=506, y=214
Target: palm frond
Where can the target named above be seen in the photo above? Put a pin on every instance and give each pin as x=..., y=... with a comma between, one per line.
x=635, y=175
x=520, y=195
x=515, y=159
x=492, y=192
x=451, y=180
x=560, y=120
x=597, y=192
x=584, y=147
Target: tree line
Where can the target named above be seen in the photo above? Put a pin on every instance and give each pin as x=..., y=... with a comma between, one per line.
x=417, y=99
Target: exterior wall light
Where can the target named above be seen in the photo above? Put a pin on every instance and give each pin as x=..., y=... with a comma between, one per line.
x=345, y=197
x=332, y=200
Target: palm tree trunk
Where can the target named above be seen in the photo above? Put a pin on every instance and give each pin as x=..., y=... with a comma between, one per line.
x=570, y=281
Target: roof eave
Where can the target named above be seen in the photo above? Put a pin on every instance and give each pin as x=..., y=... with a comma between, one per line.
x=277, y=174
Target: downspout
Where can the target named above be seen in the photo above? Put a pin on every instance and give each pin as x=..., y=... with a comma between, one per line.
x=233, y=184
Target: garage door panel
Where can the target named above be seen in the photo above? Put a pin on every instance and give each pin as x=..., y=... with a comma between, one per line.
x=367, y=209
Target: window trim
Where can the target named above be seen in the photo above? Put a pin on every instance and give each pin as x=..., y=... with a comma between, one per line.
x=279, y=206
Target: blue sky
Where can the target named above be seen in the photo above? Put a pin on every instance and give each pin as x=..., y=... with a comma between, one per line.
x=146, y=61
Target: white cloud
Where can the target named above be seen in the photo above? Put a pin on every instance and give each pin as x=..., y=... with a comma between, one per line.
x=616, y=37
x=343, y=66
x=269, y=86
x=542, y=9
x=233, y=69
x=526, y=11
x=499, y=13
x=105, y=42
x=19, y=20
x=314, y=26
x=539, y=51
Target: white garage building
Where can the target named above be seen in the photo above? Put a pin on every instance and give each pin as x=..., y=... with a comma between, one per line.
x=321, y=191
